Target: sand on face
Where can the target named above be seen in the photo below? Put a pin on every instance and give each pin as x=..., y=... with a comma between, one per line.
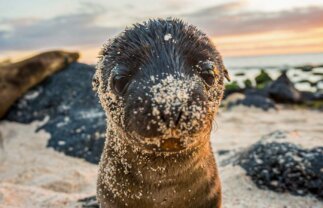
x=32, y=175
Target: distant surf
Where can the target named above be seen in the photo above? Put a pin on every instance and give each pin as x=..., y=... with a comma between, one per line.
x=273, y=61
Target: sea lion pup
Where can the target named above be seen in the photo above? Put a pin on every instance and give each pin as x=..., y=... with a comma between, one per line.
x=160, y=84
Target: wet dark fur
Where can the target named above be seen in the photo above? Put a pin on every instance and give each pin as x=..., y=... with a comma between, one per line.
x=135, y=175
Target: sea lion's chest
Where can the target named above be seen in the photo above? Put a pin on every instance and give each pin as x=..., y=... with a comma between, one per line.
x=145, y=184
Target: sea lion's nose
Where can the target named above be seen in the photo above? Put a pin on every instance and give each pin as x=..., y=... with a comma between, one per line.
x=172, y=118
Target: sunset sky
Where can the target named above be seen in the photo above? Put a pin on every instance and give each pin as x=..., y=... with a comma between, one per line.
x=238, y=28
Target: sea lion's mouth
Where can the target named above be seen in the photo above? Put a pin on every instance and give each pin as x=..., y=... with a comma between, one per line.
x=171, y=144
x=173, y=141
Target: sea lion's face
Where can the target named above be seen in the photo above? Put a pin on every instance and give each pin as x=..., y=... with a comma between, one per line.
x=161, y=83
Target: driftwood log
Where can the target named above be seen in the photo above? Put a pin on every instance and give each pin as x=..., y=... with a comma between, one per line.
x=17, y=78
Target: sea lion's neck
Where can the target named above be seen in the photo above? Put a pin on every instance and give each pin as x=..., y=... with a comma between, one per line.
x=152, y=178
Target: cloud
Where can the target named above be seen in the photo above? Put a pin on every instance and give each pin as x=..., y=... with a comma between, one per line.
x=68, y=30
x=218, y=10
x=226, y=20
x=80, y=28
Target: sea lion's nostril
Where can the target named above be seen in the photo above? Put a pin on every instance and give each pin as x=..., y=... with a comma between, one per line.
x=178, y=118
x=171, y=119
x=163, y=117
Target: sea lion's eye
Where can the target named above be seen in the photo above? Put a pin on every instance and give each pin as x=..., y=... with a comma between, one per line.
x=207, y=72
x=120, y=83
x=120, y=78
x=208, y=77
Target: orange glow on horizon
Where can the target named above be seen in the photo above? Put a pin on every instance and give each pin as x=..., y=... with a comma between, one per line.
x=269, y=43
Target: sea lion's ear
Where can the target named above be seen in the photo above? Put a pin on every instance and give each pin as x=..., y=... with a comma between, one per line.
x=226, y=74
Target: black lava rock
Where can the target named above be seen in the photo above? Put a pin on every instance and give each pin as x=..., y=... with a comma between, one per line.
x=283, y=90
x=263, y=79
x=239, y=74
x=76, y=120
x=251, y=100
x=232, y=87
x=285, y=167
x=258, y=102
x=89, y=202
x=305, y=68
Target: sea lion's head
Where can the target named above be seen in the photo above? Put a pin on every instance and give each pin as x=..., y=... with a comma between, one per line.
x=161, y=83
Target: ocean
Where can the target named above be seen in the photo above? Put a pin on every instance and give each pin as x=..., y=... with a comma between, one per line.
x=273, y=61
x=274, y=64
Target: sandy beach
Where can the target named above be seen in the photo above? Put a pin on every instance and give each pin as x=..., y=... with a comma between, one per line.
x=32, y=175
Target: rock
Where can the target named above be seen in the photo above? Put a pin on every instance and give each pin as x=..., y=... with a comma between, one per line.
x=283, y=90
x=223, y=152
x=285, y=167
x=89, y=202
x=249, y=100
x=233, y=98
x=17, y=78
x=314, y=104
x=263, y=79
x=258, y=102
x=247, y=83
x=232, y=87
x=308, y=96
x=259, y=92
x=318, y=71
x=76, y=120
x=305, y=68
x=295, y=75
x=312, y=84
x=239, y=74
